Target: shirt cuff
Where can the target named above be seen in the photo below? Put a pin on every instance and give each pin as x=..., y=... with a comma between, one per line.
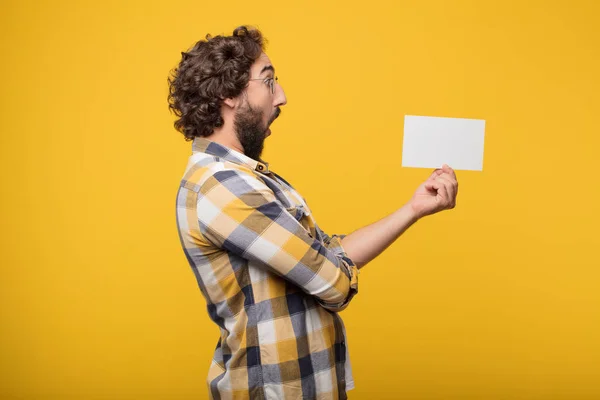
x=348, y=267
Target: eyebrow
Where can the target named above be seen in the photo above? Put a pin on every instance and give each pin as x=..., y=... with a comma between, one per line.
x=267, y=68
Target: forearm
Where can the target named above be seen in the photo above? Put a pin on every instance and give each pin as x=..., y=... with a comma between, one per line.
x=366, y=243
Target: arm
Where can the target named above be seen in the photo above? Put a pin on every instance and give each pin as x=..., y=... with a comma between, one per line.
x=239, y=213
x=368, y=242
x=436, y=194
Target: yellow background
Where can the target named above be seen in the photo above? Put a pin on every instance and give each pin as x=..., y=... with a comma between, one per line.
x=497, y=299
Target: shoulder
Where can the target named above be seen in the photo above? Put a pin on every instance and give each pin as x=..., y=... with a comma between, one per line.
x=202, y=169
x=222, y=182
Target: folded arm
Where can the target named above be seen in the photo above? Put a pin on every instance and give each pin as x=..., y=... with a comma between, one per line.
x=239, y=213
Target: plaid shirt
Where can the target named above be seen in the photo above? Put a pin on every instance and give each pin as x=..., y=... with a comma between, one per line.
x=272, y=279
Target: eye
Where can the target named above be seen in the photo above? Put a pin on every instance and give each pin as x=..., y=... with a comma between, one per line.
x=271, y=84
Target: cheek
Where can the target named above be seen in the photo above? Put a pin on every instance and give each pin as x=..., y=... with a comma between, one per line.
x=267, y=103
x=263, y=102
x=267, y=108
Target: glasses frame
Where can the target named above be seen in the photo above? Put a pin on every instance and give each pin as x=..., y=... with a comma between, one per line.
x=271, y=83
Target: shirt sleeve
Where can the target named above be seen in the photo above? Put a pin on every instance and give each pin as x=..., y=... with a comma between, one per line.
x=239, y=213
x=327, y=238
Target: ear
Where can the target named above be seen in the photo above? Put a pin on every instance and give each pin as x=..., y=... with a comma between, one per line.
x=230, y=102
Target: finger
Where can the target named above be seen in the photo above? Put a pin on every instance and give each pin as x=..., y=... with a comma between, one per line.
x=432, y=185
x=447, y=169
x=437, y=172
x=447, y=184
x=443, y=194
x=450, y=190
x=449, y=178
x=453, y=180
x=449, y=172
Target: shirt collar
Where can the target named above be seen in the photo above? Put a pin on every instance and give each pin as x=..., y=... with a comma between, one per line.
x=204, y=145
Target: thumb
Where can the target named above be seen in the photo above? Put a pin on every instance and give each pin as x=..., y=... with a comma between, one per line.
x=437, y=172
x=432, y=185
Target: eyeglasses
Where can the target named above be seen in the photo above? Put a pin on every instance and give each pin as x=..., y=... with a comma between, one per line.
x=270, y=82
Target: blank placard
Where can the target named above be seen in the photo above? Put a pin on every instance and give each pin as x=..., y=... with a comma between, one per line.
x=430, y=142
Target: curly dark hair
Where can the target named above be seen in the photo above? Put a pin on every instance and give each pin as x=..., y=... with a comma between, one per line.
x=213, y=70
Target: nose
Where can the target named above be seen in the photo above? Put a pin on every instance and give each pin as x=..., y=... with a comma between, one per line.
x=280, y=99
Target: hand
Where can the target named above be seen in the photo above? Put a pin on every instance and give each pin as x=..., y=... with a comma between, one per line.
x=436, y=194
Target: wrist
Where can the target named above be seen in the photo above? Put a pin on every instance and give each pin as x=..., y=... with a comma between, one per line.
x=409, y=213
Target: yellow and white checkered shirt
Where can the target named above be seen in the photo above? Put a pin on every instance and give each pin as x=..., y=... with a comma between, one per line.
x=273, y=281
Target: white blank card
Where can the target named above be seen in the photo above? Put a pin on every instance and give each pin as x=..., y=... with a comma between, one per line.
x=430, y=142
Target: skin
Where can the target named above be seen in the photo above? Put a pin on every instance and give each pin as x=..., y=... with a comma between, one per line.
x=436, y=194
x=258, y=95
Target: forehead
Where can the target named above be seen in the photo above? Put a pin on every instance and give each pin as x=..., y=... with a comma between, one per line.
x=259, y=64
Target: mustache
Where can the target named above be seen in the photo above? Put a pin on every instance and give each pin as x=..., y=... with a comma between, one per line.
x=275, y=115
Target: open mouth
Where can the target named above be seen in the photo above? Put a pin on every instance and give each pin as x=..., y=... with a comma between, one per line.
x=275, y=116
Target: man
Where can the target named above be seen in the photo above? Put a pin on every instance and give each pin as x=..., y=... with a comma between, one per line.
x=274, y=282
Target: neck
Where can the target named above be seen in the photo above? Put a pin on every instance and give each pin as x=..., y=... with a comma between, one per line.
x=227, y=137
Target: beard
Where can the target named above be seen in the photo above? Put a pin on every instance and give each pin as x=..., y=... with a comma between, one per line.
x=251, y=131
